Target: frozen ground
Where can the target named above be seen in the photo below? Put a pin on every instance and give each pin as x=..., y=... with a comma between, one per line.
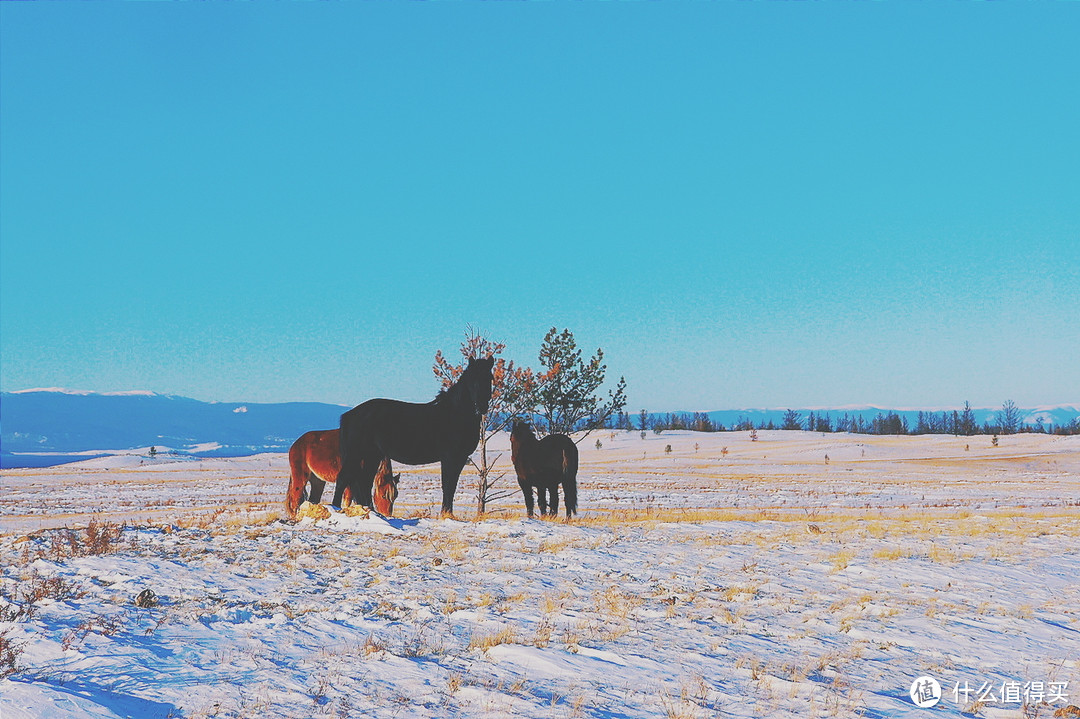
x=760, y=581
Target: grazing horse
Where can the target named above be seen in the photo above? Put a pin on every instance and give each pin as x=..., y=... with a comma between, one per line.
x=545, y=464
x=314, y=459
x=445, y=430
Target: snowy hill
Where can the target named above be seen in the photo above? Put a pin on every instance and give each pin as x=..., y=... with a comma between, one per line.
x=703, y=581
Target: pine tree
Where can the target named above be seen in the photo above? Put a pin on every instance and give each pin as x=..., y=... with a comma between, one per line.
x=791, y=420
x=967, y=421
x=824, y=424
x=570, y=399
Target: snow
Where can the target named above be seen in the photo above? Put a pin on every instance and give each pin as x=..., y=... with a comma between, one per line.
x=203, y=447
x=87, y=393
x=759, y=581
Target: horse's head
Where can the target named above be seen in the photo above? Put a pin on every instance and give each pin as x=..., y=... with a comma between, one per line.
x=520, y=434
x=385, y=491
x=477, y=379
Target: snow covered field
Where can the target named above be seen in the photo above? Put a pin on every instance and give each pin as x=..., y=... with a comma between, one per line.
x=727, y=577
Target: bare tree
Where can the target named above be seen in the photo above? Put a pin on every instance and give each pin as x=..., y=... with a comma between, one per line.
x=513, y=393
x=1009, y=418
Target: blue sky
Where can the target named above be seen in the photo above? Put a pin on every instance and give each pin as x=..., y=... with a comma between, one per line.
x=743, y=204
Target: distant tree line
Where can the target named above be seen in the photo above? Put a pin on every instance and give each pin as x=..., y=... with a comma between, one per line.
x=1008, y=420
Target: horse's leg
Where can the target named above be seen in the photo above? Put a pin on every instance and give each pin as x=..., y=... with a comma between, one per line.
x=541, y=497
x=344, y=479
x=317, y=487
x=569, y=479
x=526, y=489
x=570, y=494
x=553, y=505
x=298, y=475
x=357, y=471
x=354, y=481
x=451, y=471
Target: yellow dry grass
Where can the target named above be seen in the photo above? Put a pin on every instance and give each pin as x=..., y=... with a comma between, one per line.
x=506, y=635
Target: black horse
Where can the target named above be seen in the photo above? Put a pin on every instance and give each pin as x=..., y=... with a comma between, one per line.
x=545, y=464
x=445, y=430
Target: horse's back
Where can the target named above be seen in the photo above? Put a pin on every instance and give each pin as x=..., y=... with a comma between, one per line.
x=563, y=451
x=375, y=413
x=364, y=409
x=407, y=432
x=559, y=443
x=312, y=457
x=319, y=449
x=299, y=449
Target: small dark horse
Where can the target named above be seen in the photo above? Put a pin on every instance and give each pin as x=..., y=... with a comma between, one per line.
x=314, y=459
x=445, y=430
x=545, y=464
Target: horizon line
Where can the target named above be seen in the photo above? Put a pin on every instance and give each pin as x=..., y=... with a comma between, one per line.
x=1075, y=406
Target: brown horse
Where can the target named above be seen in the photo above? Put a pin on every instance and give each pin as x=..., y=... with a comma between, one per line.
x=545, y=464
x=315, y=459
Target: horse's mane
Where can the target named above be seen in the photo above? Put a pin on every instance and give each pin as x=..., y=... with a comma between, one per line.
x=449, y=392
x=524, y=430
x=459, y=384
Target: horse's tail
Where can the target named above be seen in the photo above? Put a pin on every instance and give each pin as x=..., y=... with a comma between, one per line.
x=343, y=484
x=298, y=476
x=569, y=482
x=350, y=458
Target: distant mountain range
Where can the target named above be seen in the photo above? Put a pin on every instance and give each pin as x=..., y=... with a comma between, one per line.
x=49, y=427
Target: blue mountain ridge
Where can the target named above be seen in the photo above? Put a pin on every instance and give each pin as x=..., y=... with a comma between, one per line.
x=49, y=427
x=52, y=425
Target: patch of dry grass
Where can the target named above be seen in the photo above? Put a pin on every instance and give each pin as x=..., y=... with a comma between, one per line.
x=741, y=592
x=841, y=560
x=98, y=537
x=653, y=515
x=104, y=625
x=10, y=651
x=891, y=553
x=614, y=603
x=506, y=635
x=22, y=598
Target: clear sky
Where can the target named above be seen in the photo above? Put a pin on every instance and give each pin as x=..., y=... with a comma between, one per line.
x=743, y=204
